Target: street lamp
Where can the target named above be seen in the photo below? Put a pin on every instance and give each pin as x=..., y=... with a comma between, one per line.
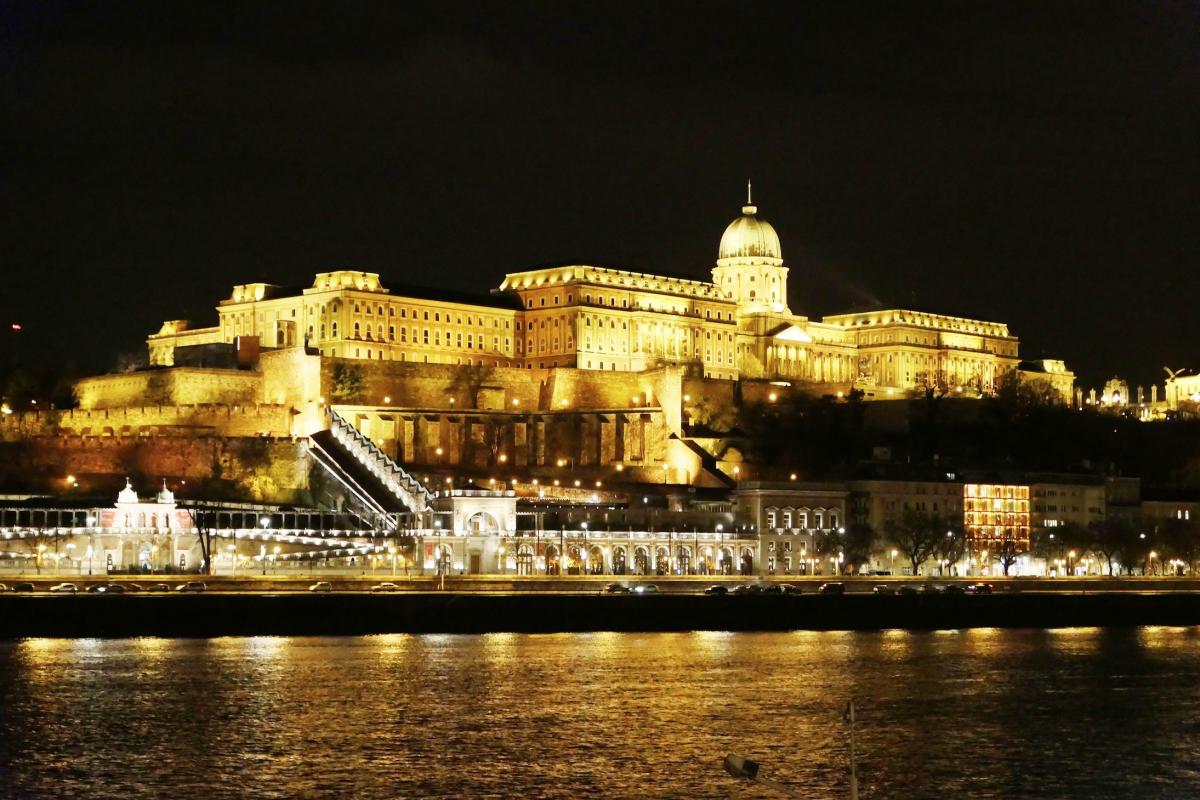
x=584, y=550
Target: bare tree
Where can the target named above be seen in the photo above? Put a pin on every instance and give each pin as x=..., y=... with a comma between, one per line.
x=204, y=521
x=468, y=382
x=915, y=535
x=1006, y=552
x=950, y=546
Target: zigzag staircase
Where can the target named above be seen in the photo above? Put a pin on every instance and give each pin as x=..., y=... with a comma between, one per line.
x=373, y=480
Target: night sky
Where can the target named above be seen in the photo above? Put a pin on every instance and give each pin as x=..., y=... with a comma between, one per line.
x=1034, y=164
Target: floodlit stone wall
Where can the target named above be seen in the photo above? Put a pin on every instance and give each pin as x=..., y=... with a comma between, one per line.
x=173, y=386
x=445, y=386
x=257, y=419
x=258, y=468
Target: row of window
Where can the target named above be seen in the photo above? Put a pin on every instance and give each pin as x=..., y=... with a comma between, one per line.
x=784, y=518
x=555, y=299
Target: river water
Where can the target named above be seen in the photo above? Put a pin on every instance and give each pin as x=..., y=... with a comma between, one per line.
x=1082, y=713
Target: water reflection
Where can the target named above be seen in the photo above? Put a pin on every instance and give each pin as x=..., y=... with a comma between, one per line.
x=984, y=713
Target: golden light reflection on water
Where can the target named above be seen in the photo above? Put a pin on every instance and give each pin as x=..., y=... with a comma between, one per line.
x=1155, y=637
x=150, y=644
x=43, y=647
x=604, y=714
x=266, y=648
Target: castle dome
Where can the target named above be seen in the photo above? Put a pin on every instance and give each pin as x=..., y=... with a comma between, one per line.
x=749, y=236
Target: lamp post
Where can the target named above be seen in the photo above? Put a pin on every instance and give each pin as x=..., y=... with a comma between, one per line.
x=91, y=523
x=583, y=526
x=892, y=568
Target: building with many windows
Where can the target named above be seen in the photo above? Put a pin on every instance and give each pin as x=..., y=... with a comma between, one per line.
x=587, y=317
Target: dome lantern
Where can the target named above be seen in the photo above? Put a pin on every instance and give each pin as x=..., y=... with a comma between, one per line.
x=750, y=266
x=748, y=236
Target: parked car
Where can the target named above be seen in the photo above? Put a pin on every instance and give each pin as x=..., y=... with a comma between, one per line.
x=22, y=587
x=321, y=586
x=954, y=588
x=64, y=588
x=929, y=588
x=3, y=587
x=883, y=588
x=717, y=589
x=158, y=587
x=980, y=588
x=106, y=588
x=832, y=588
x=191, y=586
x=746, y=588
x=906, y=590
x=385, y=587
x=132, y=587
x=615, y=588
x=772, y=588
x=790, y=588
x=646, y=588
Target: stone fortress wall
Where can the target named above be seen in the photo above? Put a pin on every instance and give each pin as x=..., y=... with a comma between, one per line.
x=178, y=386
x=256, y=419
x=265, y=469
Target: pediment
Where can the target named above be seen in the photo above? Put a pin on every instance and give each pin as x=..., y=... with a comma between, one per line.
x=791, y=333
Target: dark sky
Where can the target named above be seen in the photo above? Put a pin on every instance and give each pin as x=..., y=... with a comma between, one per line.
x=1036, y=164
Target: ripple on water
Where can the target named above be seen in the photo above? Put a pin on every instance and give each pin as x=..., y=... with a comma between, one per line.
x=985, y=713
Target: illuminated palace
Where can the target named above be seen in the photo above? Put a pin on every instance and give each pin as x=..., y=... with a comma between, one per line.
x=738, y=325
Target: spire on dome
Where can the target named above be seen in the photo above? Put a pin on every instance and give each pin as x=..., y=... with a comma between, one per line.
x=127, y=495
x=749, y=209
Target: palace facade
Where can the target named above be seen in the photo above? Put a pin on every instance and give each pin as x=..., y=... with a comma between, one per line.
x=737, y=325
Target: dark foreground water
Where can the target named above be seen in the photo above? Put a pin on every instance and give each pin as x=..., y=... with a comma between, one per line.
x=1084, y=713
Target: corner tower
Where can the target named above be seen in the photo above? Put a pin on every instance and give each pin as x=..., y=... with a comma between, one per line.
x=750, y=264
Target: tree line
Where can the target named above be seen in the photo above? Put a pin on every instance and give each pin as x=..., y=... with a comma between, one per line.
x=1122, y=544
